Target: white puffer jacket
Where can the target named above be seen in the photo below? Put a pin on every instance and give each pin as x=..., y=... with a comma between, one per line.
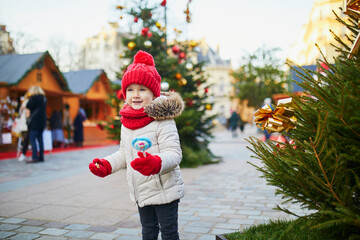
x=168, y=184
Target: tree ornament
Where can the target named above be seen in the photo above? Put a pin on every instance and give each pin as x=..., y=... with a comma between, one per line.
x=162, y=40
x=182, y=55
x=163, y=3
x=193, y=43
x=131, y=45
x=278, y=119
x=149, y=35
x=112, y=126
x=158, y=25
x=147, y=43
x=189, y=66
x=120, y=7
x=145, y=31
x=113, y=102
x=164, y=86
x=208, y=106
x=189, y=102
x=175, y=49
x=182, y=82
x=136, y=19
x=206, y=90
x=178, y=76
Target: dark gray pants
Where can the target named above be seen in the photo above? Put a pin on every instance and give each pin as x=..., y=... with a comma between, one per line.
x=160, y=217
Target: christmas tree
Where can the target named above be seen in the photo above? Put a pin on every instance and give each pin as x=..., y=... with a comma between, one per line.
x=319, y=166
x=178, y=74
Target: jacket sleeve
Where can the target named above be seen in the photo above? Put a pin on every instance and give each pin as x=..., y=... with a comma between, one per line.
x=117, y=160
x=169, y=146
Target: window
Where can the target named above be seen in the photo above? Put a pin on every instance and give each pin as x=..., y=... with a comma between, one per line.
x=38, y=77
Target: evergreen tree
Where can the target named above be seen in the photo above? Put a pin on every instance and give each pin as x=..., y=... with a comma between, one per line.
x=259, y=77
x=321, y=169
x=178, y=74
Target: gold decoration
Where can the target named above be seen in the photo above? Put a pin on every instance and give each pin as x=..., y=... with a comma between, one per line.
x=282, y=118
x=158, y=25
x=131, y=45
x=120, y=7
x=208, y=106
x=182, y=82
x=113, y=102
x=178, y=76
x=193, y=43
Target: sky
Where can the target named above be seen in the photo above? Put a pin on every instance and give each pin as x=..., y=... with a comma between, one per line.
x=237, y=27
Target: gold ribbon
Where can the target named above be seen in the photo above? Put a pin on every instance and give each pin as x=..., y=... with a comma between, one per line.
x=277, y=120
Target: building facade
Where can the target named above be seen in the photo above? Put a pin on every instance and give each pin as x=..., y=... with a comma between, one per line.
x=219, y=77
x=6, y=42
x=103, y=51
x=317, y=30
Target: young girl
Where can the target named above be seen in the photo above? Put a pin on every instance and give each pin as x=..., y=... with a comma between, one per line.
x=154, y=178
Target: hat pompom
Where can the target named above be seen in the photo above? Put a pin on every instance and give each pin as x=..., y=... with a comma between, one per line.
x=145, y=58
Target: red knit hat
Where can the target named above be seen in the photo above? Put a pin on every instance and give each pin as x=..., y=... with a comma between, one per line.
x=142, y=71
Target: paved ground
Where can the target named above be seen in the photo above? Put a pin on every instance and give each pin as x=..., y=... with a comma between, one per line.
x=61, y=199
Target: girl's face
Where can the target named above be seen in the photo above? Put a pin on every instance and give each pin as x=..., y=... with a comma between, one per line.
x=138, y=96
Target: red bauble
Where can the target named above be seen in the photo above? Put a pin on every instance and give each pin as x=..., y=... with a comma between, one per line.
x=182, y=55
x=175, y=49
x=149, y=35
x=163, y=3
x=206, y=90
x=112, y=126
x=145, y=31
x=136, y=19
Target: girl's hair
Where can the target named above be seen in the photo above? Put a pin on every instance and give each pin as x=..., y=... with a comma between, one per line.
x=35, y=90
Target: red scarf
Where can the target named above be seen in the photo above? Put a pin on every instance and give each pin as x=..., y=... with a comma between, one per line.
x=134, y=119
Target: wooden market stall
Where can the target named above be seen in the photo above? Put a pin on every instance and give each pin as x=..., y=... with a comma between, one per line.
x=93, y=88
x=18, y=72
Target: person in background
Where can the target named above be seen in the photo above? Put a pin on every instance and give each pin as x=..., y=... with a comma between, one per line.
x=67, y=123
x=241, y=124
x=56, y=127
x=36, y=122
x=233, y=123
x=79, y=127
x=22, y=126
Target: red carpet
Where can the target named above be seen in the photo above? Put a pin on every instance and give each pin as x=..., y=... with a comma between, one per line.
x=9, y=155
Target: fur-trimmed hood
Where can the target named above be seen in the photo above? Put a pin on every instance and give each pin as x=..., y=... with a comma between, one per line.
x=168, y=106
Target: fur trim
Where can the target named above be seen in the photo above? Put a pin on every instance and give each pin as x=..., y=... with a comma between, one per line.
x=168, y=106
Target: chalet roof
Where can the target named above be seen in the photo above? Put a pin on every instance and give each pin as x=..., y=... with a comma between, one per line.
x=15, y=67
x=81, y=81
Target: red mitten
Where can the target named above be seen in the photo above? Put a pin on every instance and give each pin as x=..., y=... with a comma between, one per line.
x=100, y=167
x=147, y=165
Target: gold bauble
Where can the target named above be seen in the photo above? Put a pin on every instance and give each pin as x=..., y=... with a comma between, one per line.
x=182, y=82
x=208, y=106
x=113, y=102
x=131, y=45
x=158, y=25
x=193, y=43
x=162, y=40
